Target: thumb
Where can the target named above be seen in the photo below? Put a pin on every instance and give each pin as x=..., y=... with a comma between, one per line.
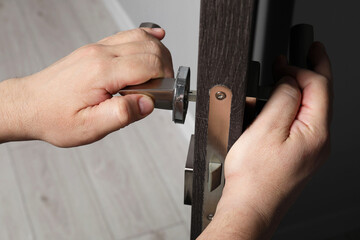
x=281, y=110
x=158, y=33
x=120, y=111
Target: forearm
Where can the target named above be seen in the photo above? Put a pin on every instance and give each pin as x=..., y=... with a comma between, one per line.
x=15, y=112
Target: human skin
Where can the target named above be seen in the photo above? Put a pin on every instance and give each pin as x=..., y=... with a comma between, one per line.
x=71, y=102
x=269, y=165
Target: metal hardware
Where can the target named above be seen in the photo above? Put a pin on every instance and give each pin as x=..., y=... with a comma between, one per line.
x=192, y=96
x=168, y=93
x=220, y=95
x=149, y=25
x=215, y=170
x=216, y=149
x=189, y=168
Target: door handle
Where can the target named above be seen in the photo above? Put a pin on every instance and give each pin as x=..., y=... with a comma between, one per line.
x=167, y=93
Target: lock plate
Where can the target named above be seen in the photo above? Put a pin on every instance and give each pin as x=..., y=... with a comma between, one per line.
x=216, y=149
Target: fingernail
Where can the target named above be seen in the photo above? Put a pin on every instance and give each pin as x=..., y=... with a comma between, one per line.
x=157, y=29
x=146, y=105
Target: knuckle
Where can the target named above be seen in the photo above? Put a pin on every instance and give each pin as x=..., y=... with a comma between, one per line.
x=91, y=50
x=139, y=33
x=322, y=78
x=156, y=64
x=291, y=91
x=123, y=113
x=154, y=46
x=155, y=60
x=106, y=39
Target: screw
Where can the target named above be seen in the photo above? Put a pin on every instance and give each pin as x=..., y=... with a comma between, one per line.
x=220, y=95
x=210, y=217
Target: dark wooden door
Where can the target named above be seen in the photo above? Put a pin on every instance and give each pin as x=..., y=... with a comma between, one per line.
x=226, y=30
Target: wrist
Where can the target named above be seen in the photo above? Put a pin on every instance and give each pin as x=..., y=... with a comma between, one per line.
x=16, y=114
x=238, y=222
x=248, y=209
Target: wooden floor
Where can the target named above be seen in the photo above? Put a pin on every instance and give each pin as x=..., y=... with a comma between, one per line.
x=126, y=186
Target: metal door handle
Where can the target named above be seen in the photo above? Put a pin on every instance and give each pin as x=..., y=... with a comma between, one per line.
x=168, y=93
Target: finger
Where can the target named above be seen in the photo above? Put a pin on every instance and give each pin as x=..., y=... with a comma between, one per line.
x=280, y=111
x=145, y=47
x=158, y=33
x=115, y=113
x=133, y=70
x=321, y=64
x=316, y=102
x=319, y=60
x=134, y=35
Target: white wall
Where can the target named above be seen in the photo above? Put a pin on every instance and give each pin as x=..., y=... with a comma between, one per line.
x=180, y=19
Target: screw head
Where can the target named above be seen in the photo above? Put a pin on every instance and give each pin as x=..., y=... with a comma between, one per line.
x=220, y=95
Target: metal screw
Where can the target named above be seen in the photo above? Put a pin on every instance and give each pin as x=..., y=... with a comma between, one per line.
x=210, y=217
x=220, y=95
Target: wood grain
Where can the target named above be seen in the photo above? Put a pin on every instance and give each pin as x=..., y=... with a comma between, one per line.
x=131, y=189
x=224, y=46
x=58, y=197
x=174, y=232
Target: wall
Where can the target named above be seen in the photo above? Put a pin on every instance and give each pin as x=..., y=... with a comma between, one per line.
x=180, y=19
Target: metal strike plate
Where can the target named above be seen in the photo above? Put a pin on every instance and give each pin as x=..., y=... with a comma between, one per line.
x=216, y=149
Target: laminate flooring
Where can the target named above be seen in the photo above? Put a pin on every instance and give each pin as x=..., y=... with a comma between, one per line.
x=127, y=186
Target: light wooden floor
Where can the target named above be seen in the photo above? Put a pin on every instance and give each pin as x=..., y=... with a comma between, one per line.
x=126, y=186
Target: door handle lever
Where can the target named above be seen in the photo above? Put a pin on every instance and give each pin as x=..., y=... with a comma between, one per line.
x=168, y=93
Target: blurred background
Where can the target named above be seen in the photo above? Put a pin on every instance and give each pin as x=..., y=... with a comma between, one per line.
x=130, y=184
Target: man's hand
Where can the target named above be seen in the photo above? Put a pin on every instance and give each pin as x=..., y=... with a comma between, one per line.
x=71, y=102
x=273, y=159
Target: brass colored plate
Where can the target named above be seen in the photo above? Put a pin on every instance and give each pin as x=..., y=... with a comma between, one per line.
x=216, y=149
